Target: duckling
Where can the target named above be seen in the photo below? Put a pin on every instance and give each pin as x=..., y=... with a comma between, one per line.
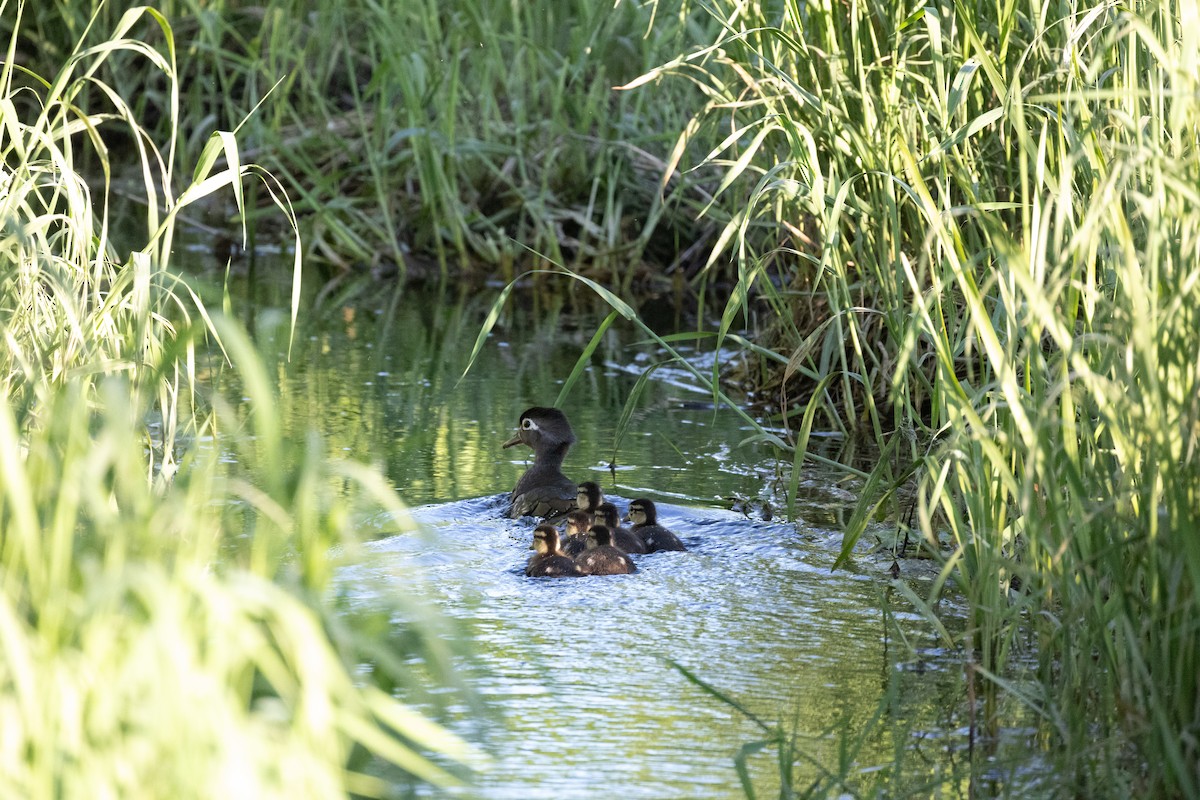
x=543, y=490
x=588, y=496
x=644, y=517
x=623, y=538
x=549, y=561
x=578, y=525
x=601, y=558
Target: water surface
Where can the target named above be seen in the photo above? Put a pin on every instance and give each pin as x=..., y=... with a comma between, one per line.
x=577, y=674
x=579, y=669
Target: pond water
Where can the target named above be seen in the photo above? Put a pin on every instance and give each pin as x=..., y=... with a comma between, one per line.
x=578, y=675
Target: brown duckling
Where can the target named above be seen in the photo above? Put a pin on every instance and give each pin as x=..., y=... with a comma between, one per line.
x=549, y=561
x=588, y=496
x=601, y=558
x=543, y=490
x=578, y=524
x=644, y=517
x=623, y=538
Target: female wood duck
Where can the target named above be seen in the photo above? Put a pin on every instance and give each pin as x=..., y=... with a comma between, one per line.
x=644, y=517
x=543, y=490
x=549, y=561
x=578, y=524
x=623, y=538
x=601, y=558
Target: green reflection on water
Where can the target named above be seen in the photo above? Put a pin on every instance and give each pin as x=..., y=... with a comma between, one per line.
x=381, y=382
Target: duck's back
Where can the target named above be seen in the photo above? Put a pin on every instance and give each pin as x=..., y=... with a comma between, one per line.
x=605, y=560
x=659, y=539
x=551, y=566
x=628, y=541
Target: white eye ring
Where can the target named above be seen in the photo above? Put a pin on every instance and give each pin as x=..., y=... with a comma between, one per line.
x=528, y=424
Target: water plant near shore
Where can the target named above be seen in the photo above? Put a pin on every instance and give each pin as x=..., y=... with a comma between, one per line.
x=169, y=621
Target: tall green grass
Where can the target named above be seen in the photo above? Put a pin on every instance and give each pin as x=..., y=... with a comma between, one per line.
x=169, y=621
x=436, y=137
x=977, y=230
x=971, y=230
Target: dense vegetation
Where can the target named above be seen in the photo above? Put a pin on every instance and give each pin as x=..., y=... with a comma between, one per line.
x=168, y=617
x=968, y=233
x=429, y=137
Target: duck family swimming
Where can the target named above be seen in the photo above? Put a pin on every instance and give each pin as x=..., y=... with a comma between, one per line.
x=595, y=543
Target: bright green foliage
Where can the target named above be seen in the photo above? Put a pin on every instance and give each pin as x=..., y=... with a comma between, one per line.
x=167, y=620
x=991, y=262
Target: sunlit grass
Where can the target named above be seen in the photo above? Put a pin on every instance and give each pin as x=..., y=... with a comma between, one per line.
x=169, y=618
x=990, y=265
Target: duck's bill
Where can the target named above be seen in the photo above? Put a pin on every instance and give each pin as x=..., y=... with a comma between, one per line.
x=513, y=441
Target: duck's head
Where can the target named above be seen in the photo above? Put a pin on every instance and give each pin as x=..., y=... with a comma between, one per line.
x=588, y=495
x=599, y=536
x=543, y=429
x=578, y=522
x=545, y=539
x=643, y=512
x=606, y=514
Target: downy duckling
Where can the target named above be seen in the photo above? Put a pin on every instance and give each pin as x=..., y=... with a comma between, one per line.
x=588, y=496
x=644, y=517
x=623, y=538
x=578, y=525
x=543, y=490
x=549, y=561
x=601, y=558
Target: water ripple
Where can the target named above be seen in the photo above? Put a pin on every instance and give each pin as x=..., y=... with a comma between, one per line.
x=579, y=669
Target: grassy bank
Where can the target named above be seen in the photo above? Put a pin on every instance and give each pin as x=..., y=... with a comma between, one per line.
x=434, y=138
x=168, y=617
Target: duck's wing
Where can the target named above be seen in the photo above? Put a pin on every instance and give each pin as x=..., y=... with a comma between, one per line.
x=663, y=540
x=546, y=500
x=628, y=541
